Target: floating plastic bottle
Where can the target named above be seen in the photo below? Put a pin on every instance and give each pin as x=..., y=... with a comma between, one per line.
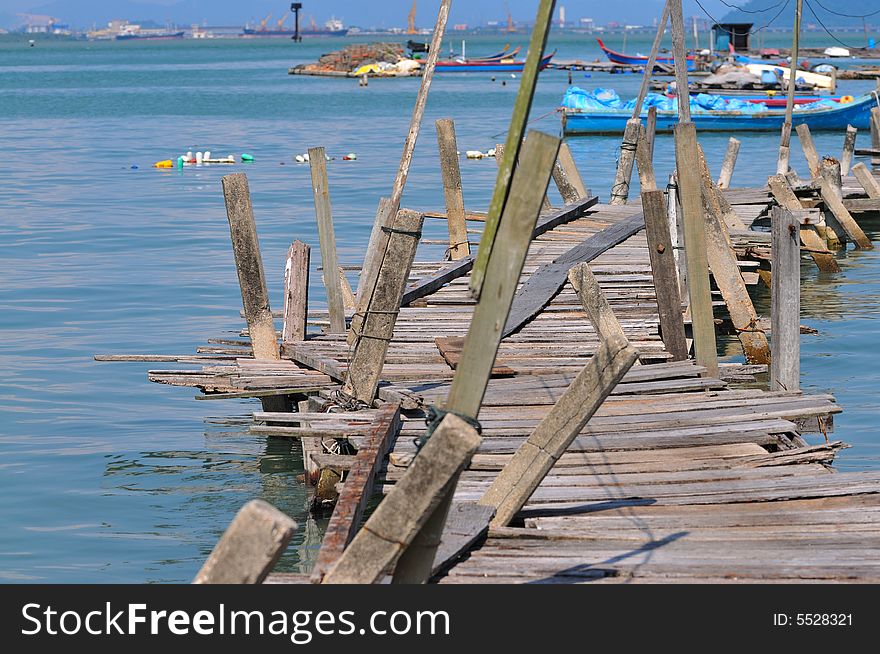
x=245, y=157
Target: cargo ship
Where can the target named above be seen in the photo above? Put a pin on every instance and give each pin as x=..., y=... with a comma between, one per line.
x=332, y=27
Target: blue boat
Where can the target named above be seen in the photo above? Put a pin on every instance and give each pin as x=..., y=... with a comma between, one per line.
x=827, y=115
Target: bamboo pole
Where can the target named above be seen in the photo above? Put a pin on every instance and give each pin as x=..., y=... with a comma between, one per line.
x=782, y=163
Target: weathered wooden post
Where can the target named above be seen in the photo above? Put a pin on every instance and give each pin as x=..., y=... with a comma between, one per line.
x=867, y=180
x=647, y=181
x=664, y=274
x=715, y=200
x=676, y=235
x=515, y=484
x=249, y=264
x=449, y=168
x=594, y=302
x=849, y=148
x=296, y=293
x=729, y=163
x=329, y=260
x=251, y=546
x=832, y=195
x=814, y=244
x=651, y=129
x=568, y=179
x=785, y=365
x=782, y=164
x=875, y=136
x=809, y=147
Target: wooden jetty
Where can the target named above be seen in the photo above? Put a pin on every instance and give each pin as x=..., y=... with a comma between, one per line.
x=579, y=425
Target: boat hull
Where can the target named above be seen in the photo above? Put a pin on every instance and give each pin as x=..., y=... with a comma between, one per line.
x=856, y=113
x=486, y=66
x=636, y=60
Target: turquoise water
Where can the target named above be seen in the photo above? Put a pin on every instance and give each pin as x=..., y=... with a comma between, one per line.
x=108, y=478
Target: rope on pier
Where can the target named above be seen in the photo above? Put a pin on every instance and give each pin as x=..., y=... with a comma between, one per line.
x=434, y=416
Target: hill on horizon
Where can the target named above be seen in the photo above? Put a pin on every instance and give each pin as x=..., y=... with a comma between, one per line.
x=829, y=12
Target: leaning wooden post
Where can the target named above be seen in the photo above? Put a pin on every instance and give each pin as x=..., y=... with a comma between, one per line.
x=715, y=199
x=785, y=365
x=729, y=163
x=849, y=147
x=647, y=181
x=594, y=302
x=329, y=260
x=377, y=327
x=620, y=190
x=664, y=274
x=249, y=263
x=814, y=244
x=782, y=163
x=809, y=147
x=867, y=180
x=516, y=483
x=651, y=129
x=410, y=504
x=487, y=325
x=451, y=173
x=833, y=198
x=518, y=122
x=296, y=293
x=251, y=546
x=575, y=189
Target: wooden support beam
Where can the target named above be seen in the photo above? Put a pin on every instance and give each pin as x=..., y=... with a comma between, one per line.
x=620, y=190
x=849, y=146
x=392, y=527
x=814, y=244
x=809, y=148
x=329, y=260
x=515, y=133
x=785, y=365
x=567, y=177
x=380, y=315
x=249, y=264
x=647, y=181
x=867, y=180
x=729, y=163
x=451, y=173
x=349, y=301
x=250, y=547
x=296, y=293
x=501, y=279
x=515, y=484
x=664, y=274
x=594, y=302
x=715, y=200
x=358, y=489
x=833, y=198
x=690, y=194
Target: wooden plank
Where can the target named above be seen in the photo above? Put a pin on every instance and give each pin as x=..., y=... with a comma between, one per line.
x=715, y=200
x=729, y=163
x=620, y=189
x=466, y=523
x=249, y=265
x=867, y=180
x=664, y=274
x=545, y=283
x=831, y=195
x=406, y=509
x=357, y=490
x=329, y=260
x=451, y=174
x=513, y=487
x=785, y=367
x=377, y=327
x=376, y=234
x=690, y=194
x=814, y=244
x=513, y=145
x=296, y=293
x=250, y=547
x=849, y=146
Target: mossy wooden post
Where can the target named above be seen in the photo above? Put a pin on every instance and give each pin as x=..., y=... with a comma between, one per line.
x=867, y=180
x=405, y=510
x=375, y=331
x=809, y=148
x=249, y=264
x=620, y=190
x=785, y=302
x=451, y=173
x=647, y=181
x=296, y=293
x=849, y=148
x=329, y=260
x=664, y=274
x=250, y=547
x=832, y=195
x=729, y=163
x=487, y=325
x=515, y=484
x=784, y=160
x=814, y=244
x=568, y=179
x=515, y=132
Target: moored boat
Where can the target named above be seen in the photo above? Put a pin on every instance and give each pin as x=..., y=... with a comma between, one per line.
x=482, y=66
x=639, y=60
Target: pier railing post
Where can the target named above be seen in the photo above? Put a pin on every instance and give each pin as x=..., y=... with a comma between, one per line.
x=249, y=264
x=329, y=260
x=296, y=293
x=782, y=164
x=849, y=148
x=451, y=173
x=785, y=302
x=729, y=163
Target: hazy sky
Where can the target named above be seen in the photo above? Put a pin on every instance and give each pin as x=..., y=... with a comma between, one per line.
x=360, y=12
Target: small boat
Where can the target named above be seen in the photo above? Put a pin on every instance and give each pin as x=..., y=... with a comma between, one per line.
x=825, y=116
x=836, y=51
x=812, y=79
x=639, y=60
x=481, y=66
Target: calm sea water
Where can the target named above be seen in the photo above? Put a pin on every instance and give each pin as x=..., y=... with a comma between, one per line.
x=108, y=478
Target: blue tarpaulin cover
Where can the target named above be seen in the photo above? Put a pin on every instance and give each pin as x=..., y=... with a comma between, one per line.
x=607, y=99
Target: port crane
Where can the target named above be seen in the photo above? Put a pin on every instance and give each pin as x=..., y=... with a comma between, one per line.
x=263, y=22
x=411, y=20
x=511, y=28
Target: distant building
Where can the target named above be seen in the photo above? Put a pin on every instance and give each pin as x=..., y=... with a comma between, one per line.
x=460, y=27
x=561, y=17
x=587, y=24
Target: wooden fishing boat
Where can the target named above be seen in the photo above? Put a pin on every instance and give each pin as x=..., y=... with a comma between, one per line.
x=613, y=121
x=775, y=99
x=639, y=60
x=480, y=66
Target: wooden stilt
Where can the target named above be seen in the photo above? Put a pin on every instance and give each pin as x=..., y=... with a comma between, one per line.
x=568, y=179
x=329, y=261
x=867, y=180
x=833, y=198
x=647, y=182
x=451, y=173
x=809, y=148
x=849, y=148
x=729, y=163
x=620, y=190
x=814, y=244
x=296, y=293
x=785, y=302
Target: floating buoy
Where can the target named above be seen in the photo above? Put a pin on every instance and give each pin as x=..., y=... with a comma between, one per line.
x=490, y=152
x=199, y=156
x=299, y=158
x=846, y=99
x=474, y=154
x=180, y=161
x=245, y=157
x=164, y=164
x=351, y=156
